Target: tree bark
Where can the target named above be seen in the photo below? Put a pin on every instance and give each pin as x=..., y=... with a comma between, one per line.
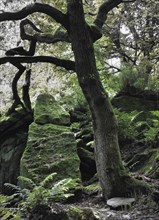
x=110, y=170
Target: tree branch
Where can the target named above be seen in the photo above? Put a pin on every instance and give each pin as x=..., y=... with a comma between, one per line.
x=25, y=93
x=43, y=38
x=22, y=51
x=48, y=38
x=54, y=13
x=67, y=64
x=112, y=67
x=107, y=6
x=16, y=98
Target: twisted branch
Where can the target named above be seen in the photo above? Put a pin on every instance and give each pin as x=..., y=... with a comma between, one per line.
x=51, y=11
x=67, y=64
x=40, y=37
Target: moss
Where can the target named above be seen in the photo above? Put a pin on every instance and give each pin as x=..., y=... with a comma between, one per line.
x=77, y=213
x=51, y=148
x=47, y=110
x=67, y=167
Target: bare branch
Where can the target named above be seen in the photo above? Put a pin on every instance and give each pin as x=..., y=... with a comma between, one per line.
x=107, y=6
x=67, y=64
x=16, y=98
x=26, y=22
x=43, y=38
x=22, y=51
x=128, y=1
x=57, y=15
x=48, y=38
x=25, y=93
x=112, y=67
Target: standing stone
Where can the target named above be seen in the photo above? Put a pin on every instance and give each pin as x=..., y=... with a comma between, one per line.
x=51, y=145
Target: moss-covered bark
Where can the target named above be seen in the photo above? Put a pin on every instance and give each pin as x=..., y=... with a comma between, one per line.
x=110, y=169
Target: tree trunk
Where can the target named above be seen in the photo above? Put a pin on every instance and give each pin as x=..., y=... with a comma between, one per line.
x=108, y=159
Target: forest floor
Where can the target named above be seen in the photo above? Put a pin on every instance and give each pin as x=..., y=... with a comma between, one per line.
x=145, y=207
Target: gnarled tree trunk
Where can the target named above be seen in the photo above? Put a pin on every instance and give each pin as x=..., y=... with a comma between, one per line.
x=108, y=160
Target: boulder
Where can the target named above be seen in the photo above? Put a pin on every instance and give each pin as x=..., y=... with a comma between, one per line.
x=48, y=111
x=50, y=147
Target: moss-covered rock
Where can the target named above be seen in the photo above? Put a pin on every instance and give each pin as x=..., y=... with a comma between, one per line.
x=13, y=138
x=47, y=110
x=146, y=163
x=129, y=103
x=50, y=147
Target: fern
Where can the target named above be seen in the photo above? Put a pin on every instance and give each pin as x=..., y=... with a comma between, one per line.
x=61, y=190
x=43, y=194
x=11, y=188
x=26, y=183
x=38, y=196
x=48, y=181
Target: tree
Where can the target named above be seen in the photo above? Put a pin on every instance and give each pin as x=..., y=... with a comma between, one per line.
x=75, y=30
x=134, y=40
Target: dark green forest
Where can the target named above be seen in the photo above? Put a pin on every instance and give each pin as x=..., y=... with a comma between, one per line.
x=79, y=110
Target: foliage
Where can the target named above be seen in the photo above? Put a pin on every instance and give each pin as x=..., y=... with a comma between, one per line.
x=76, y=213
x=47, y=182
x=138, y=126
x=3, y=199
x=37, y=196
x=46, y=192
x=134, y=43
x=128, y=75
x=126, y=131
x=151, y=135
x=56, y=3
x=43, y=194
x=134, y=31
x=60, y=191
x=75, y=98
x=6, y=213
x=26, y=183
